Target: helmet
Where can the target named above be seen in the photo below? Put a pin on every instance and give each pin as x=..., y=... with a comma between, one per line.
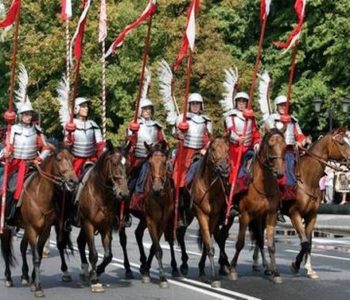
x=280, y=99
x=78, y=102
x=242, y=95
x=195, y=97
x=24, y=107
x=145, y=102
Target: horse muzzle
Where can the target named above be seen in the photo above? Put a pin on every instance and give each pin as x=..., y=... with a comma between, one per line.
x=223, y=169
x=70, y=184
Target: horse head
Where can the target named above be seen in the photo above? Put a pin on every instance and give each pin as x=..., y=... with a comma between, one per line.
x=338, y=147
x=157, y=159
x=218, y=156
x=272, y=150
x=63, y=168
x=112, y=167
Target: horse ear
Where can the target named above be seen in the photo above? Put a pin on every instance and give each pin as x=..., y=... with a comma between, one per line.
x=109, y=145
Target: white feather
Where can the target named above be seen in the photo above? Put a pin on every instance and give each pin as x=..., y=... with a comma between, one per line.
x=231, y=78
x=4, y=33
x=21, y=94
x=63, y=98
x=264, y=87
x=165, y=90
x=146, y=83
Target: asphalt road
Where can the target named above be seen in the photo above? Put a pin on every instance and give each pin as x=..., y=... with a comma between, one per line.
x=331, y=260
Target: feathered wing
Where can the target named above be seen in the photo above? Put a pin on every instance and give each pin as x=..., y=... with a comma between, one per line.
x=264, y=101
x=231, y=79
x=21, y=94
x=146, y=83
x=63, y=98
x=165, y=90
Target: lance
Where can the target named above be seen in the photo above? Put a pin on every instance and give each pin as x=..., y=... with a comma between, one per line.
x=10, y=117
x=183, y=127
x=134, y=126
x=248, y=114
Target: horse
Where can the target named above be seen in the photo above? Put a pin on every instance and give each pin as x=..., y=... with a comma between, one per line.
x=158, y=208
x=38, y=212
x=258, y=205
x=209, y=194
x=105, y=186
x=303, y=210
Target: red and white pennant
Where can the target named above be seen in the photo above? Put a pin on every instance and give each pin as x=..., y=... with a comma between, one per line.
x=11, y=14
x=264, y=9
x=147, y=13
x=66, y=9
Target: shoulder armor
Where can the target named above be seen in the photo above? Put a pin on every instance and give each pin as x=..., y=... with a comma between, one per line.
x=38, y=128
x=17, y=128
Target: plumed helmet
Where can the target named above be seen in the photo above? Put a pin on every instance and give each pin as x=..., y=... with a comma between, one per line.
x=195, y=97
x=280, y=99
x=78, y=102
x=242, y=95
x=24, y=107
x=146, y=102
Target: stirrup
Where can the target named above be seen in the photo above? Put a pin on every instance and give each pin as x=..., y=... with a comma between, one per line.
x=280, y=217
x=127, y=221
x=234, y=212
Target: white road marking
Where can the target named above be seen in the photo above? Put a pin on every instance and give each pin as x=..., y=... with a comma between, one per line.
x=321, y=255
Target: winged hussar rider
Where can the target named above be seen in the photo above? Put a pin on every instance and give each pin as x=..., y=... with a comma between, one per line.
x=27, y=144
x=233, y=106
x=149, y=132
x=294, y=137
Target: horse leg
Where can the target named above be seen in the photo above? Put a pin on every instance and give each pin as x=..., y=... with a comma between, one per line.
x=243, y=224
x=310, y=222
x=61, y=245
x=139, y=231
x=169, y=237
x=156, y=232
x=184, y=257
x=25, y=268
x=270, y=235
x=84, y=273
x=6, y=250
x=106, y=239
x=123, y=242
x=299, y=227
x=89, y=229
x=208, y=243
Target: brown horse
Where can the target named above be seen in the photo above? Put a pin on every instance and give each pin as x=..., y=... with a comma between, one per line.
x=105, y=186
x=258, y=206
x=303, y=211
x=208, y=192
x=158, y=208
x=39, y=211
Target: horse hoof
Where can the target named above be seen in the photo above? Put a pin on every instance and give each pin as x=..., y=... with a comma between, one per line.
x=232, y=276
x=204, y=279
x=129, y=274
x=216, y=284
x=8, y=283
x=313, y=275
x=256, y=268
x=32, y=287
x=224, y=271
x=97, y=288
x=175, y=273
x=146, y=279
x=164, y=285
x=294, y=268
x=24, y=282
x=66, y=278
x=268, y=273
x=184, y=270
x=277, y=279
x=39, y=294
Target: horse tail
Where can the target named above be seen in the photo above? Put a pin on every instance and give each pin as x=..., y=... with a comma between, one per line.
x=256, y=229
x=6, y=247
x=200, y=240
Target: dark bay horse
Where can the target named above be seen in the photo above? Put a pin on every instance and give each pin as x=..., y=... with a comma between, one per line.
x=303, y=210
x=209, y=195
x=105, y=186
x=38, y=212
x=258, y=206
x=158, y=209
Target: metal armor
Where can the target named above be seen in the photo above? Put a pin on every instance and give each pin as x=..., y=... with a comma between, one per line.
x=198, y=124
x=24, y=141
x=235, y=120
x=274, y=121
x=86, y=136
x=148, y=133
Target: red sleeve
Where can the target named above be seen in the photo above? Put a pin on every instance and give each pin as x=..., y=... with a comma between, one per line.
x=99, y=148
x=206, y=139
x=41, y=144
x=256, y=137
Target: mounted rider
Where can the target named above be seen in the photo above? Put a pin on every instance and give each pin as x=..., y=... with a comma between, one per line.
x=85, y=142
x=294, y=138
x=27, y=145
x=149, y=132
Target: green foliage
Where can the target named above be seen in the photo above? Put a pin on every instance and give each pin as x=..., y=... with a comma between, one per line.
x=228, y=33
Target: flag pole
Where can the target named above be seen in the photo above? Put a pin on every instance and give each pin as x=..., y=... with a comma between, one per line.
x=10, y=117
